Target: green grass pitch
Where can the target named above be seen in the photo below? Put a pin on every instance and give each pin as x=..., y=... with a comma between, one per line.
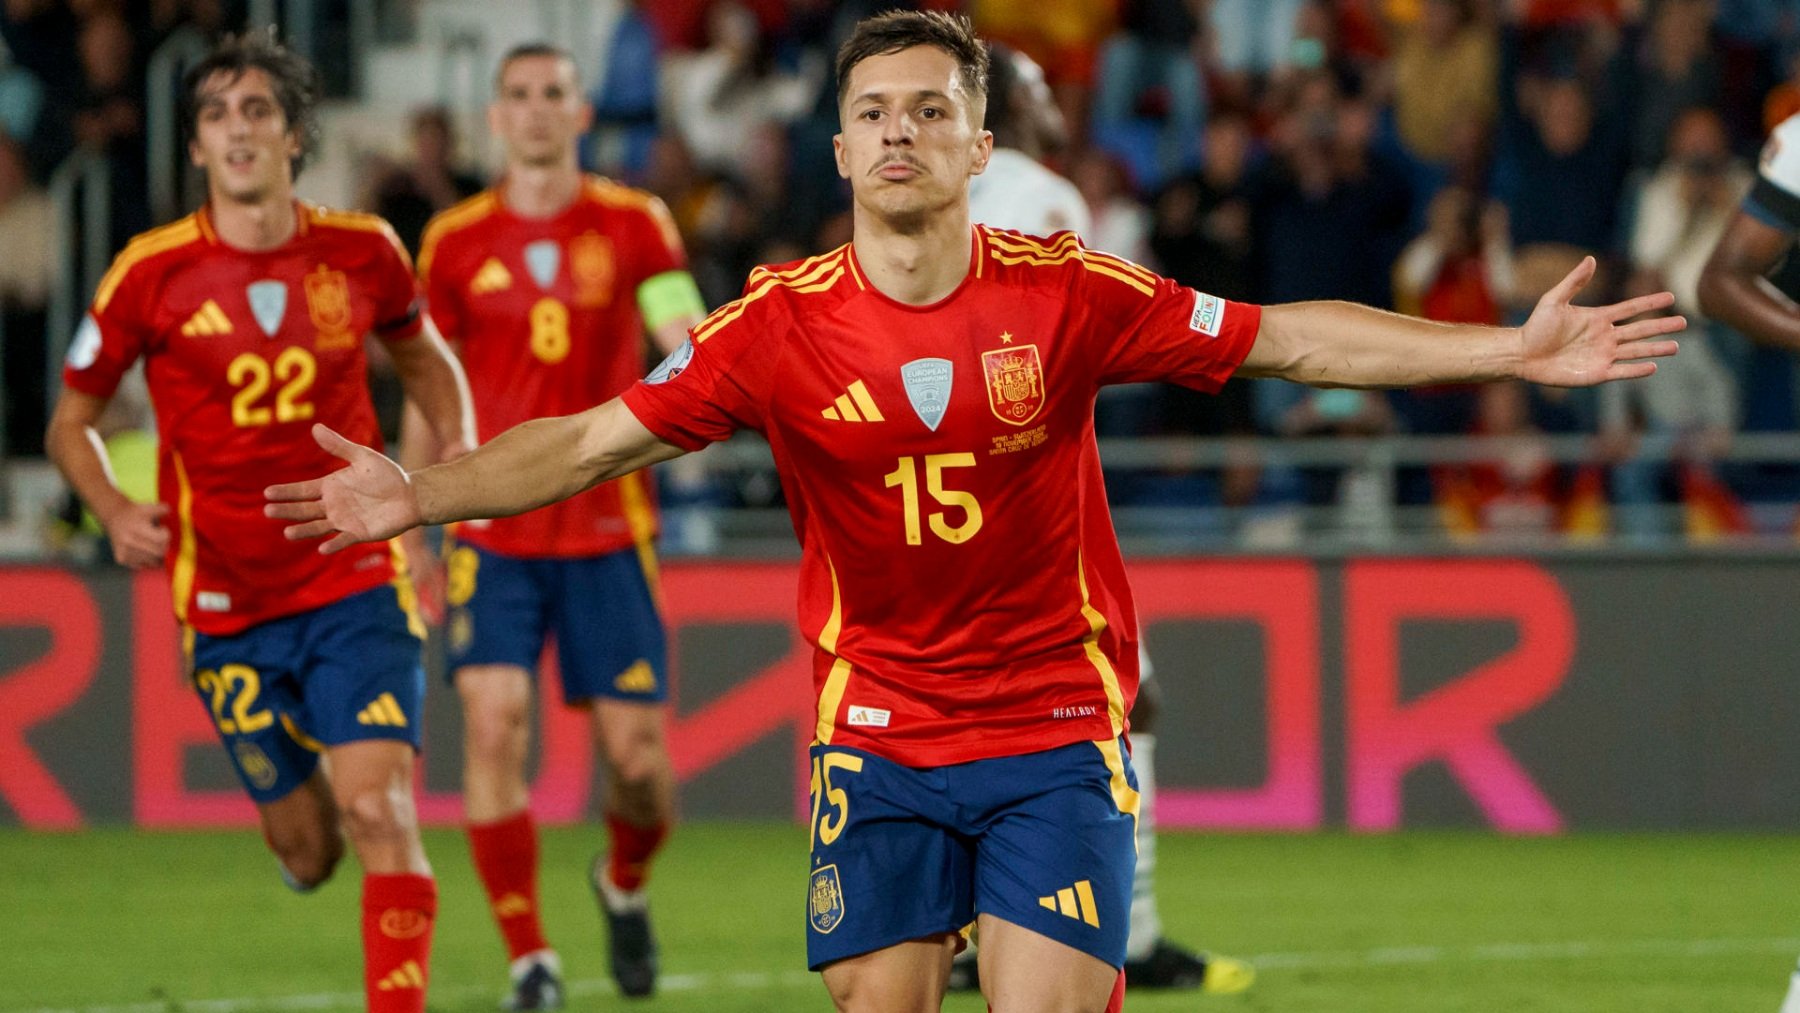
x=197, y=923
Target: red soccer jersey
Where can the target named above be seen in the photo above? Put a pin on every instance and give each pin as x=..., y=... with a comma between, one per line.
x=959, y=570
x=545, y=315
x=243, y=352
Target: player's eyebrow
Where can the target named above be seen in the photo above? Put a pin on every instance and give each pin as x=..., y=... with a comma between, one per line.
x=878, y=97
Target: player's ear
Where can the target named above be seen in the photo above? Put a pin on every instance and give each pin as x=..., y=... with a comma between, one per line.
x=984, y=150
x=195, y=155
x=493, y=118
x=837, y=152
x=586, y=116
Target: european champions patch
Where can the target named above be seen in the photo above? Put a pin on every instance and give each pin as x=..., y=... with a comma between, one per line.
x=1209, y=314
x=671, y=367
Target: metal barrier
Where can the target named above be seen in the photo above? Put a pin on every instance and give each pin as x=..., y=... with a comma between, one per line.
x=80, y=260
x=168, y=167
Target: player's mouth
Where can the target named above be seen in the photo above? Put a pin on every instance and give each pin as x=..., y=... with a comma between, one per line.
x=899, y=171
x=240, y=159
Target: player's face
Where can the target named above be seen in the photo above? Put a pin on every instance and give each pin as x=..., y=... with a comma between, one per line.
x=242, y=138
x=910, y=138
x=539, y=113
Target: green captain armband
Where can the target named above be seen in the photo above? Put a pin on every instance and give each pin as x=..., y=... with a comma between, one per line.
x=668, y=296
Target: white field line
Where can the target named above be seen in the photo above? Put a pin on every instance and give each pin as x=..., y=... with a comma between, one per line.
x=1389, y=956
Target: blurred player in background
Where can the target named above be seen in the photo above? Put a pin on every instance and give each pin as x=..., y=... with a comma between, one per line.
x=928, y=392
x=1735, y=286
x=250, y=316
x=545, y=285
x=1019, y=192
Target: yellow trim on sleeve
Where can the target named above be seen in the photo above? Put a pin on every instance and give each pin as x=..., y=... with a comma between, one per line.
x=169, y=237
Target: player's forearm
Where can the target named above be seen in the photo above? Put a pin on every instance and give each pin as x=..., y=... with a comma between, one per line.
x=419, y=446
x=1340, y=344
x=434, y=382
x=537, y=463
x=1749, y=303
x=77, y=451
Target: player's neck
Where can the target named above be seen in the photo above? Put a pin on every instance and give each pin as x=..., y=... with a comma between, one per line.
x=254, y=226
x=538, y=191
x=914, y=266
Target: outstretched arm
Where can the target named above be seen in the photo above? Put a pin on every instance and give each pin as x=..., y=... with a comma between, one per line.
x=1336, y=344
x=1735, y=289
x=532, y=464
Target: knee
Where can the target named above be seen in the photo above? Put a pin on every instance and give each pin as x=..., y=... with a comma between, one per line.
x=636, y=753
x=492, y=728
x=377, y=813
x=309, y=854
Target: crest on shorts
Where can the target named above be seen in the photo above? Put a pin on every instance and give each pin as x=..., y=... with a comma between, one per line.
x=542, y=258
x=255, y=764
x=1015, y=382
x=268, y=303
x=825, y=900
x=928, y=388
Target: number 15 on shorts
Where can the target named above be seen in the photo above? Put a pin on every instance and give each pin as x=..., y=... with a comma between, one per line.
x=828, y=823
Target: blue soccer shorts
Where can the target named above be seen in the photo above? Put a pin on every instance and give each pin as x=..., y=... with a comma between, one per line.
x=1046, y=841
x=601, y=610
x=282, y=691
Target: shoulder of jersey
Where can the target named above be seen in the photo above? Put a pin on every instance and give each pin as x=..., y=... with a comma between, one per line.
x=453, y=219
x=349, y=221
x=1033, y=257
x=771, y=287
x=1780, y=161
x=607, y=193
x=150, y=251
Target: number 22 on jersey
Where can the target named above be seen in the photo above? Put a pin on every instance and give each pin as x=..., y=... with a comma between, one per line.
x=251, y=374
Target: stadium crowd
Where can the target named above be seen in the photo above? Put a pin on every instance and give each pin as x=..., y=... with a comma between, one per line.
x=1449, y=158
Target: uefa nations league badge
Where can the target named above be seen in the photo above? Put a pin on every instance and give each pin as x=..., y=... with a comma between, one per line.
x=928, y=388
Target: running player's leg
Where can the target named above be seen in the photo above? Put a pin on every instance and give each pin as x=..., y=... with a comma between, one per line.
x=613, y=655
x=892, y=883
x=1152, y=960
x=364, y=700
x=1023, y=970
x=497, y=623
x=1054, y=855
x=303, y=831
x=906, y=977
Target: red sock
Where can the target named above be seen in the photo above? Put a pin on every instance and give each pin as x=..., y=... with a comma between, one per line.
x=506, y=858
x=397, y=915
x=1117, y=1003
x=628, y=863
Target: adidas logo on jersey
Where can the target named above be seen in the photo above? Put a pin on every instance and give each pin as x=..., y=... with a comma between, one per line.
x=407, y=975
x=492, y=277
x=385, y=711
x=1074, y=902
x=207, y=321
x=854, y=406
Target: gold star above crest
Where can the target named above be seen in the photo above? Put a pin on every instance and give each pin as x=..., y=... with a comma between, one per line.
x=1006, y=337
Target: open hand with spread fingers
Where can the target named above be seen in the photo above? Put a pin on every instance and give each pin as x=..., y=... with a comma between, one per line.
x=1564, y=345
x=370, y=500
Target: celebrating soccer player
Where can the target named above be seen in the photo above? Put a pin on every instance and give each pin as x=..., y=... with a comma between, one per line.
x=1735, y=288
x=928, y=392
x=545, y=285
x=250, y=316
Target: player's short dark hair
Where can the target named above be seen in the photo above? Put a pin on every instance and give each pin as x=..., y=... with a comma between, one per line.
x=526, y=50
x=296, y=84
x=893, y=31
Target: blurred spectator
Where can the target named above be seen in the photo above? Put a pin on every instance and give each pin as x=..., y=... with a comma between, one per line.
x=1154, y=58
x=408, y=195
x=1254, y=38
x=1445, y=68
x=718, y=97
x=1690, y=407
x=1017, y=191
x=1522, y=492
x=1458, y=271
x=1201, y=228
x=1063, y=36
x=1677, y=69
x=21, y=98
x=625, y=99
x=1121, y=223
x=25, y=272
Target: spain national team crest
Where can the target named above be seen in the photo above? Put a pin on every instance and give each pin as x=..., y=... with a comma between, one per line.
x=255, y=764
x=1015, y=383
x=825, y=900
x=328, y=300
x=591, y=267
